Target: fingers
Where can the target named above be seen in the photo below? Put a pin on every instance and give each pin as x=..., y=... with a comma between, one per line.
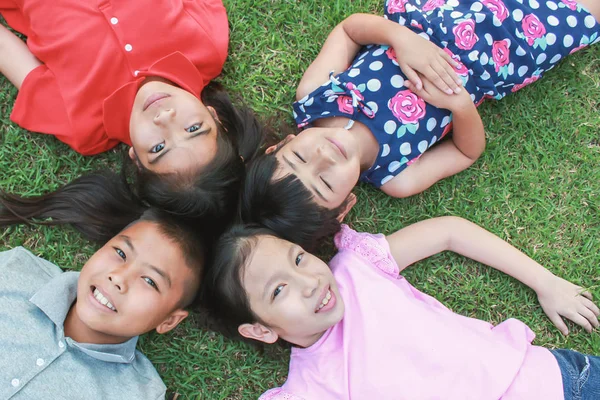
x=412, y=76
x=438, y=78
x=587, y=294
x=581, y=321
x=591, y=305
x=448, y=75
x=588, y=314
x=559, y=323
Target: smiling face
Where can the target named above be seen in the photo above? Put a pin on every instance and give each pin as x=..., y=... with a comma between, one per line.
x=171, y=129
x=325, y=160
x=293, y=293
x=135, y=283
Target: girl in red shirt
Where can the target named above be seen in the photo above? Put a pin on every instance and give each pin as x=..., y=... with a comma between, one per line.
x=95, y=73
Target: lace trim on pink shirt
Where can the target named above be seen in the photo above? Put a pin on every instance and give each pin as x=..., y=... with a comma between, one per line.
x=278, y=394
x=373, y=248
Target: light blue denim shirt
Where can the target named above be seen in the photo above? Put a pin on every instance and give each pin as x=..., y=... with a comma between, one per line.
x=38, y=362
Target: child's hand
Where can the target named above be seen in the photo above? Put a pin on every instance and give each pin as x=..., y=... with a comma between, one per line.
x=560, y=298
x=416, y=54
x=434, y=96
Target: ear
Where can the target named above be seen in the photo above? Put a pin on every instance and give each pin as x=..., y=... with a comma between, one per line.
x=258, y=331
x=285, y=141
x=172, y=321
x=214, y=114
x=132, y=154
x=350, y=202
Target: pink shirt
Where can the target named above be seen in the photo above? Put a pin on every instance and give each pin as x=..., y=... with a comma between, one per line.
x=396, y=342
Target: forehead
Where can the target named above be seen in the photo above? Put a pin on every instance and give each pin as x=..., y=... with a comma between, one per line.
x=150, y=245
x=268, y=255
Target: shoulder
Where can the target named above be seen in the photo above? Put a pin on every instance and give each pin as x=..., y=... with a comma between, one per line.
x=279, y=394
x=20, y=259
x=371, y=248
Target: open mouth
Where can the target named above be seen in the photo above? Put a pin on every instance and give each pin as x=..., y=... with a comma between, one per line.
x=100, y=298
x=327, y=301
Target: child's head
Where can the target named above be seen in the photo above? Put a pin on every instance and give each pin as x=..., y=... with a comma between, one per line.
x=171, y=129
x=325, y=160
x=266, y=288
x=141, y=279
x=284, y=204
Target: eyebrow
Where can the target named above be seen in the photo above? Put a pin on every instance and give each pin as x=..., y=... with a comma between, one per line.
x=128, y=242
x=159, y=271
x=192, y=136
x=313, y=187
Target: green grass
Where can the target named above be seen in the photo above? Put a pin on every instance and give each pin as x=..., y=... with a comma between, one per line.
x=536, y=186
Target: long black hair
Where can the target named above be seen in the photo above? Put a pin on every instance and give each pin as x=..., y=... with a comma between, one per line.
x=285, y=206
x=101, y=204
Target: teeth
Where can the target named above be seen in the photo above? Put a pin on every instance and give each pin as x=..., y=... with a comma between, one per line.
x=103, y=300
x=325, y=300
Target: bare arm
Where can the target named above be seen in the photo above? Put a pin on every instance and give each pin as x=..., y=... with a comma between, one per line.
x=16, y=61
x=413, y=53
x=449, y=157
x=556, y=296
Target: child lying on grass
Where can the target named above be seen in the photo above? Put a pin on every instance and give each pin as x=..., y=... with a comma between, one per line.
x=68, y=335
x=361, y=331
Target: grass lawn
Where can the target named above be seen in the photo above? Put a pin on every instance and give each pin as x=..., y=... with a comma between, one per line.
x=536, y=186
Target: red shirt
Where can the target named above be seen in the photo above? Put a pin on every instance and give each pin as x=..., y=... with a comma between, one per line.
x=95, y=54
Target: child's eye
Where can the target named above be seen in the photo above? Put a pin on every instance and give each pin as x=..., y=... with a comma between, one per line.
x=299, y=157
x=193, y=128
x=158, y=148
x=278, y=290
x=120, y=253
x=326, y=184
x=299, y=258
x=151, y=282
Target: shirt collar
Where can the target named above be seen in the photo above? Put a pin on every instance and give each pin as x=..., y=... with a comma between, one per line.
x=55, y=299
x=175, y=67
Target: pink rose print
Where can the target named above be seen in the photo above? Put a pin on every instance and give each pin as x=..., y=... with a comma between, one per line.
x=345, y=104
x=500, y=53
x=533, y=28
x=407, y=107
x=461, y=70
x=394, y=6
x=464, y=34
x=572, y=4
x=497, y=8
x=433, y=4
x=526, y=82
x=391, y=53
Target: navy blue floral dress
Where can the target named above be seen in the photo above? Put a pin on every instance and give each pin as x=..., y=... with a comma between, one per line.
x=502, y=45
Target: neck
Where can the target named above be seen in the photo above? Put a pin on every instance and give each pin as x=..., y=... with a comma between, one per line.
x=80, y=332
x=367, y=143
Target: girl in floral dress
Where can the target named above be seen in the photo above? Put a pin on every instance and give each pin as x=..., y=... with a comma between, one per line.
x=374, y=113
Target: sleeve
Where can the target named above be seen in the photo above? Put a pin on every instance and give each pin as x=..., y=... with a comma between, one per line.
x=40, y=108
x=372, y=248
x=279, y=394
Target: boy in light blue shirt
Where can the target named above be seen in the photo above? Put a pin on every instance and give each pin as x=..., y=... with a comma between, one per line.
x=71, y=335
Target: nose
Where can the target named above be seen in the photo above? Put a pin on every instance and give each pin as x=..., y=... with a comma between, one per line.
x=118, y=278
x=164, y=116
x=309, y=283
x=323, y=157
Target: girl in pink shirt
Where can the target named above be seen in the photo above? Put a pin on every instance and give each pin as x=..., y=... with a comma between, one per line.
x=359, y=330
